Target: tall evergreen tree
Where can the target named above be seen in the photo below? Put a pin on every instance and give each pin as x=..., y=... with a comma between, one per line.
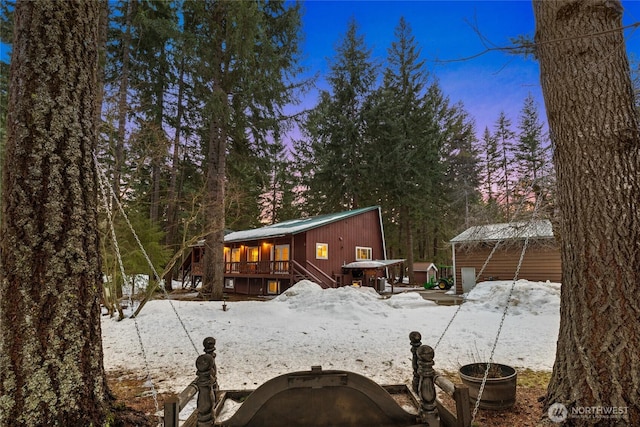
x=505, y=135
x=117, y=76
x=6, y=37
x=491, y=164
x=455, y=178
x=140, y=75
x=334, y=130
x=530, y=151
x=406, y=138
x=51, y=369
x=279, y=192
x=246, y=56
x=152, y=49
x=588, y=95
x=462, y=175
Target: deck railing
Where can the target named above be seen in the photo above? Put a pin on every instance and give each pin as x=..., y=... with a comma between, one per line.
x=258, y=267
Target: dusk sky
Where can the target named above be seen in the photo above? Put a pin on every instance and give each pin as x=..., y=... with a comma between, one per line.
x=444, y=30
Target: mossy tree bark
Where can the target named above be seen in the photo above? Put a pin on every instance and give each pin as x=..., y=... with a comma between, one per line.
x=51, y=370
x=589, y=100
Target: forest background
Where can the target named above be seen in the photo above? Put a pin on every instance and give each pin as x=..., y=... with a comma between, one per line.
x=184, y=82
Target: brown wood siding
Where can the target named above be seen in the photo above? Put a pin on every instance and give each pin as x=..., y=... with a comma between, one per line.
x=299, y=250
x=540, y=263
x=342, y=238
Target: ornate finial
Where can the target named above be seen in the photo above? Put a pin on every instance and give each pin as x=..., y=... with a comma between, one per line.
x=204, y=362
x=415, y=338
x=206, y=399
x=210, y=349
x=427, y=388
x=209, y=344
x=425, y=354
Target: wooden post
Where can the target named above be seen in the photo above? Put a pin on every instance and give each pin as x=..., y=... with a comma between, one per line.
x=463, y=407
x=206, y=399
x=209, y=344
x=172, y=411
x=415, y=338
x=427, y=388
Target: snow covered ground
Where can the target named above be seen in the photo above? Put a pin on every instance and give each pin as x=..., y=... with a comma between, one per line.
x=346, y=328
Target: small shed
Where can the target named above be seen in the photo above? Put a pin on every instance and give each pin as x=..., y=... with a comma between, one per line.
x=424, y=271
x=472, y=248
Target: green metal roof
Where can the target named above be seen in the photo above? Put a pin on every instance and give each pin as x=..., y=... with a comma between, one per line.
x=293, y=226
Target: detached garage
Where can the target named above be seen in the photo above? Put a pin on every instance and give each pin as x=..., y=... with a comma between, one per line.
x=473, y=247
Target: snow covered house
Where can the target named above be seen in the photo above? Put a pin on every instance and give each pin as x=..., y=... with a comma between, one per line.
x=332, y=250
x=473, y=247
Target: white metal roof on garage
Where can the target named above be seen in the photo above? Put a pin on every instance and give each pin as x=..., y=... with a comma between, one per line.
x=539, y=229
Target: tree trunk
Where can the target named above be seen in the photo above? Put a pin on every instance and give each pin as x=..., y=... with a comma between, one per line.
x=51, y=370
x=406, y=221
x=159, y=153
x=213, y=274
x=172, y=191
x=123, y=107
x=588, y=95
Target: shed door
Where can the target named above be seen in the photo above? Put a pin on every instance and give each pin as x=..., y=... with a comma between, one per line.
x=468, y=278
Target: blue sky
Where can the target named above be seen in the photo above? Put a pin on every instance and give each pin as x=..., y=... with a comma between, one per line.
x=444, y=30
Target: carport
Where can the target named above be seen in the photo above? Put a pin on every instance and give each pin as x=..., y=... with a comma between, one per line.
x=374, y=273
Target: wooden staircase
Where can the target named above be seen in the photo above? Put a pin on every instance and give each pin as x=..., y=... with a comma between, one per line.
x=318, y=276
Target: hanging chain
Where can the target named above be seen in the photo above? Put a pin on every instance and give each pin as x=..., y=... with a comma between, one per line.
x=504, y=316
x=146, y=256
x=464, y=297
x=101, y=183
x=484, y=266
x=495, y=342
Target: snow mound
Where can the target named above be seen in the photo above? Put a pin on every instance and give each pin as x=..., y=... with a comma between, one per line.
x=527, y=297
x=346, y=302
x=302, y=288
x=408, y=300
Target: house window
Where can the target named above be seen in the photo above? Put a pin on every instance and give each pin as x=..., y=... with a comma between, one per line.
x=280, y=257
x=363, y=254
x=228, y=283
x=322, y=251
x=235, y=260
x=273, y=287
x=253, y=254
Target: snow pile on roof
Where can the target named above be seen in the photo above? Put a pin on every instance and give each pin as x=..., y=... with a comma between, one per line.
x=540, y=229
x=377, y=263
x=533, y=298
